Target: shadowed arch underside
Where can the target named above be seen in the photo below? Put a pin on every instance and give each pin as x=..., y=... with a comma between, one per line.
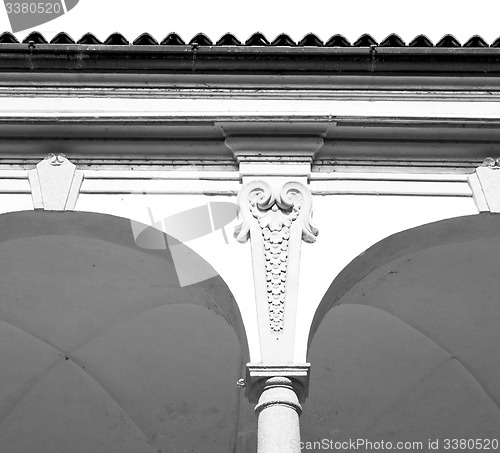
x=408, y=338
x=101, y=349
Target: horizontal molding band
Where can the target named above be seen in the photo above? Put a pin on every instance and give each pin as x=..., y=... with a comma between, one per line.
x=127, y=85
x=391, y=187
x=159, y=186
x=366, y=184
x=288, y=93
x=208, y=193
x=175, y=110
x=171, y=175
x=395, y=176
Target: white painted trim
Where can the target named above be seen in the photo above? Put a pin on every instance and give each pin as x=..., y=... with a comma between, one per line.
x=174, y=109
x=397, y=183
x=179, y=182
x=398, y=175
x=159, y=186
x=388, y=187
x=13, y=174
x=188, y=174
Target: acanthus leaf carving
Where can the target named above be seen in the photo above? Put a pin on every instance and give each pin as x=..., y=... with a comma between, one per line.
x=275, y=211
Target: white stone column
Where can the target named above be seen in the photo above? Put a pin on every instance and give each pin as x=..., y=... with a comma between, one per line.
x=278, y=391
x=276, y=216
x=278, y=412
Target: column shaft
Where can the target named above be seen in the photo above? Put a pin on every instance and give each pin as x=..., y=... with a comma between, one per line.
x=278, y=412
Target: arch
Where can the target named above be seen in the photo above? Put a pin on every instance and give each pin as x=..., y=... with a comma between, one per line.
x=456, y=230
x=213, y=293
x=374, y=376
x=89, y=320
x=427, y=295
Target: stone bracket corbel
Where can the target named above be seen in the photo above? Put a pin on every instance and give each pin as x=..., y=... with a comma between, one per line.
x=276, y=218
x=55, y=184
x=275, y=208
x=485, y=185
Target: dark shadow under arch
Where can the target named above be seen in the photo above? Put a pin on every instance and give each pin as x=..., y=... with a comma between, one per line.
x=426, y=298
x=118, y=231
x=449, y=231
x=97, y=334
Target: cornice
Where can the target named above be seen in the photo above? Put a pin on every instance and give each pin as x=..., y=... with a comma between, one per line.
x=325, y=141
x=478, y=87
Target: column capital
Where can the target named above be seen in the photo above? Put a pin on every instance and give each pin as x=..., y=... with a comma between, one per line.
x=261, y=376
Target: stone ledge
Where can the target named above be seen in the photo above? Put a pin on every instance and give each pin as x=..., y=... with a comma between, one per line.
x=259, y=372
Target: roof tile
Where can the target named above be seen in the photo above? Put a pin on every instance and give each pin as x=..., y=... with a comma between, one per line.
x=257, y=39
x=35, y=37
x=310, y=40
x=496, y=43
x=228, y=40
x=8, y=38
x=145, y=40
x=62, y=38
x=88, y=39
x=421, y=41
x=448, y=41
x=116, y=39
x=476, y=41
x=365, y=40
x=201, y=40
x=393, y=40
x=337, y=41
x=172, y=39
x=283, y=40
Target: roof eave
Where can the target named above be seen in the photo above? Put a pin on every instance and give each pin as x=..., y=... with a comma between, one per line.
x=374, y=60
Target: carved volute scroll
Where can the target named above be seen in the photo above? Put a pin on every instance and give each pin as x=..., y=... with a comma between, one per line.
x=275, y=215
x=260, y=197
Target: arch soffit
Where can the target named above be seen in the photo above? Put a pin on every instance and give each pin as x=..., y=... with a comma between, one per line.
x=444, y=232
x=214, y=293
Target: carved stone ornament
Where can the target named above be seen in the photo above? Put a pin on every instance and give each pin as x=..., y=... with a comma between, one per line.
x=275, y=213
x=491, y=163
x=55, y=183
x=485, y=185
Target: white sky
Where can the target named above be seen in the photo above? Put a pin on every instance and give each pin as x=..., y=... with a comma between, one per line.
x=351, y=18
